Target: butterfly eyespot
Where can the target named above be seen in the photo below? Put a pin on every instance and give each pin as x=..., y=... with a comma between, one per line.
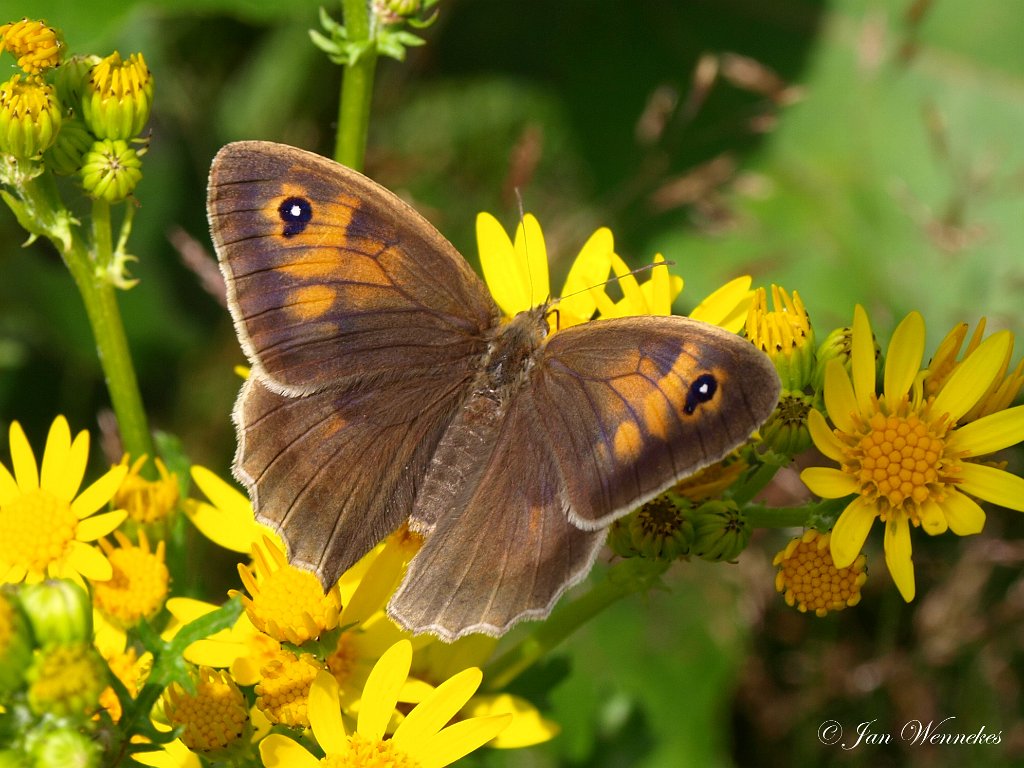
x=701, y=390
x=296, y=213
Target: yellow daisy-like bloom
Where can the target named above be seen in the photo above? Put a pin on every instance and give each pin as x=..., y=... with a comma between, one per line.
x=138, y=588
x=30, y=116
x=810, y=580
x=283, y=689
x=286, y=602
x=66, y=679
x=421, y=740
x=1005, y=386
x=132, y=670
x=147, y=501
x=905, y=455
x=215, y=719
x=35, y=45
x=45, y=524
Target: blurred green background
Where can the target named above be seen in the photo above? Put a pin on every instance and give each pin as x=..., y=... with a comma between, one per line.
x=857, y=151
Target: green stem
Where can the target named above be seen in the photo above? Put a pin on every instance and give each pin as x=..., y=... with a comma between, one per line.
x=821, y=515
x=624, y=578
x=356, y=88
x=89, y=273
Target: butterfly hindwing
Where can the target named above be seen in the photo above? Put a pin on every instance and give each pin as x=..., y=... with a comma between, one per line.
x=506, y=550
x=331, y=278
x=631, y=405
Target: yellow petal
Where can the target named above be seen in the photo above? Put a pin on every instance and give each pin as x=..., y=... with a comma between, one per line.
x=279, y=751
x=55, y=455
x=990, y=433
x=9, y=490
x=728, y=306
x=862, y=360
x=840, y=401
x=898, y=555
x=66, y=484
x=498, y=263
x=432, y=714
x=23, y=460
x=325, y=714
x=173, y=755
x=99, y=493
x=96, y=526
x=658, y=288
x=633, y=300
x=972, y=378
x=933, y=518
x=991, y=484
x=380, y=695
x=457, y=741
x=228, y=499
x=903, y=362
x=532, y=261
x=89, y=562
x=829, y=483
x=590, y=269
x=964, y=515
x=851, y=531
x=527, y=728
x=823, y=436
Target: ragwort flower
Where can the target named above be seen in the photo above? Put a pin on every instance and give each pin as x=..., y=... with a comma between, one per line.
x=46, y=526
x=421, y=739
x=906, y=456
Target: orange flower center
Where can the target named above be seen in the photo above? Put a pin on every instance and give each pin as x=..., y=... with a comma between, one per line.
x=36, y=530
x=215, y=718
x=810, y=580
x=138, y=588
x=900, y=460
x=369, y=753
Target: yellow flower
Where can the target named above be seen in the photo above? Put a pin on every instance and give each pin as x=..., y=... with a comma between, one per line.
x=130, y=668
x=45, y=524
x=286, y=602
x=117, y=97
x=147, y=501
x=214, y=720
x=421, y=740
x=906, y=456
x=66, y=679
x=283, y=689
x=138, y=588
x=30, y=116
x=809, y=577
x=35, y=45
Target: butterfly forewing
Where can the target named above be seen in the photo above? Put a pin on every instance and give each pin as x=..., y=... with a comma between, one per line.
x=331, y=278
x=630, y=405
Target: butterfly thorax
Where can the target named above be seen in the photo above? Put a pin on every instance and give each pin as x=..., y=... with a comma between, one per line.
x=511, y=353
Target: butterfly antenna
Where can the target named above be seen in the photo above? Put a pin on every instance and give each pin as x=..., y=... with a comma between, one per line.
x=526, y=240
x=615, y=279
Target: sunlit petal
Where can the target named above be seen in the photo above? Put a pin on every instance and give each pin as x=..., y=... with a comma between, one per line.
x=840, y=401
x=933, y=518
x=590, y=269
x=97, y=526
x=458, y=740
x=862, y=360
x=9, y=490
x=100, y=492
x=991, y=484
x=964, y=515
x=903, y=361
x=990, y=433
x=972, y=378
x=89, y=562
x=279, y=751
x=431, y=715
x=728, y=306
x=851, y=531
x=531, y=258
x=55, y=455
x=829, y=483
x=823, y=436
x=498, y=263
x=22, y=459
x=325, y=714
x=898, y=555
x=380, y=694
x=65, y=485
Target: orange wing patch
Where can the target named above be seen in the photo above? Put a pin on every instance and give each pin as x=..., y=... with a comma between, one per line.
x=311, y=302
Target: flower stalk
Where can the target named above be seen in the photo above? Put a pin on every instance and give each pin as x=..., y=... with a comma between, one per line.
x=356, y=88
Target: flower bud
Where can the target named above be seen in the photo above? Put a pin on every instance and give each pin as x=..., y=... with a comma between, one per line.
x=659, y=529
x=117, y=97
x=70, y=80
x=786, y=429
x=110, y=170
x=58, y=610
x=68, y=151
x=30, y=116
x=784, y=334
x=838, y=344
x=66, y=747
x=720, y=531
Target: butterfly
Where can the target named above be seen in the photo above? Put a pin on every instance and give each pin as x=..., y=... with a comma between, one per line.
x=387, y=388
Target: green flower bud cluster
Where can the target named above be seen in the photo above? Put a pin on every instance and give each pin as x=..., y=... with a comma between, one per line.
x=660, y=529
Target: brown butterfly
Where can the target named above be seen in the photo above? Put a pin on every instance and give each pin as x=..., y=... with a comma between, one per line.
x=386, y=388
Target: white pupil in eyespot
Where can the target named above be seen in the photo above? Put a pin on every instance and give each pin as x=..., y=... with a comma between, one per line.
x=296, y=210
